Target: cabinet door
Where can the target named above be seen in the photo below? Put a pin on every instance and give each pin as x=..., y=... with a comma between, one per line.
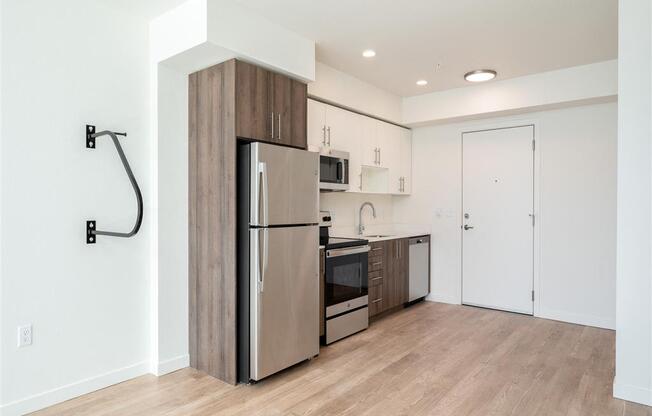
x=252, y=102
x=390, y=157
x=396, y=282
x=280, y=93
x=391, y=274
x=406, y=160
x=354, y=147
x=338, y=127
x=369, y=141
x=403, y=274
x=298, y=114
x=316, y=125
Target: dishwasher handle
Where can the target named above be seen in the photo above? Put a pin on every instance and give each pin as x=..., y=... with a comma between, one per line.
x=420, y=240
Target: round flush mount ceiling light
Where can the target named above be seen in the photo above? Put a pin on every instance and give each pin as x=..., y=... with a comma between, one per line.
x=422, y=82
x=369, y=53
x=480, y=75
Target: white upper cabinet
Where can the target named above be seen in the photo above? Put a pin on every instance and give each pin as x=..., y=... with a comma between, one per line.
x=380, y=153
x=316, y=125
x=405, y=178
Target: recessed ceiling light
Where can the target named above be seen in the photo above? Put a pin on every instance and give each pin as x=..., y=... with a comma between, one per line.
x=480, y=75
x=422, y=82
x=369, y=53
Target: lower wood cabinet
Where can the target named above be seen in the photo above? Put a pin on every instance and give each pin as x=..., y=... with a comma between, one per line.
x=388, y=275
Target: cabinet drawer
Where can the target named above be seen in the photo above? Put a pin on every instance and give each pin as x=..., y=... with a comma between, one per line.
x=376, y=249
x=375, y=299
x=376, y=278
x=375, y=264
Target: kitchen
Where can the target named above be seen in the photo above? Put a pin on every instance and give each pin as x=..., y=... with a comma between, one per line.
x=427, y=210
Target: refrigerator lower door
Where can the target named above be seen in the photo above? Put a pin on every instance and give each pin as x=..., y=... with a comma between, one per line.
x=284, y=290
x=284, y=187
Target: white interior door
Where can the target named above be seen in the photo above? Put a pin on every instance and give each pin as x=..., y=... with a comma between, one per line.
x=498, y=230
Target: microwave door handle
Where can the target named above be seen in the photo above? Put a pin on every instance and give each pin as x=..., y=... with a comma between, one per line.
x=338, y=172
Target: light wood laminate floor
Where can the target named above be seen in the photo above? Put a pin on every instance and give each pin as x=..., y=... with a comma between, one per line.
x=430, y=359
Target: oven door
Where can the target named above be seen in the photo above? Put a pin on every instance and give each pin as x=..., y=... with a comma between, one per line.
x=346, y=277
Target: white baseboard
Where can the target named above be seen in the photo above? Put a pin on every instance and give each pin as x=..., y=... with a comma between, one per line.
x=574, y=318
x=631, y=393
x=172, y=364
x=69, y=391
x=442, y=298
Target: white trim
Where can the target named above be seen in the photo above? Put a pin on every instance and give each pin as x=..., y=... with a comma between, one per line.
x=442, y=298
x=76, y=389
x=575, y=318
x=632, y=393
x=173, y=364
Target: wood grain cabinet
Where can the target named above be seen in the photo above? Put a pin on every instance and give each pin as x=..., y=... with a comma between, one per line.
x=388, y=275
x=226, y=102
x=270, y=107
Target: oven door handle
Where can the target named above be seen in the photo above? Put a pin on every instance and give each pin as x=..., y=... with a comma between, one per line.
x=336, y=252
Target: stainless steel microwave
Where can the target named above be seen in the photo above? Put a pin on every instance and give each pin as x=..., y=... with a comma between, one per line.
x=333, y=170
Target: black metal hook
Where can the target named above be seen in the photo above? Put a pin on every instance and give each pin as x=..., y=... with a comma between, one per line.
x=91, y=230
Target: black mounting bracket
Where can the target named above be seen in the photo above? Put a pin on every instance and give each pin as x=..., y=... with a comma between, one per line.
x=90, y=138
x=90, y=235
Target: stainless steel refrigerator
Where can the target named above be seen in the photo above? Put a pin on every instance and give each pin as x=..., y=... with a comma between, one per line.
x=278, y=264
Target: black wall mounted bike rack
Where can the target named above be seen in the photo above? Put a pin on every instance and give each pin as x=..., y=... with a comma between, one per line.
x=91, y=226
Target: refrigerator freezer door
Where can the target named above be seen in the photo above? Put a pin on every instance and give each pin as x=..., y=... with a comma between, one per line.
x=285, y=186
x=284, y=303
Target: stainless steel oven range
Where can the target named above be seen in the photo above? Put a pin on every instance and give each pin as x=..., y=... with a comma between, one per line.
x=346, y=286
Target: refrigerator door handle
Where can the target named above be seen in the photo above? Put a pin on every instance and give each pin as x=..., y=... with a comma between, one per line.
x=262, y=257
x=263, y=203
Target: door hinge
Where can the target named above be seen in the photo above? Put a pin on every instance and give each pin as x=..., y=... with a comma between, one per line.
x=533, y=296
x=533, y=145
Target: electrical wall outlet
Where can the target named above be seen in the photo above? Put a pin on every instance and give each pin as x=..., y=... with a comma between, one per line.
x=24, y=335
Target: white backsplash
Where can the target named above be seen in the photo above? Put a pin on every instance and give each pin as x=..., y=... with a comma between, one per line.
x=344, y=208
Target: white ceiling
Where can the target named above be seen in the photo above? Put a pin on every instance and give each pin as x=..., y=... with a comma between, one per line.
x=514, y=37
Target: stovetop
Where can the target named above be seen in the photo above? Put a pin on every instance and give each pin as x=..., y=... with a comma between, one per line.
x=341, y=242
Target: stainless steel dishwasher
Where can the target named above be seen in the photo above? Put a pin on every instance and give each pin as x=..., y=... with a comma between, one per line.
x=419, y=267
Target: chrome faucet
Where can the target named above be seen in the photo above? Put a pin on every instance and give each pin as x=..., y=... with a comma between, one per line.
x=373, y=211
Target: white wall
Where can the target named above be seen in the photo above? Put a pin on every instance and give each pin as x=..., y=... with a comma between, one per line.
x=343, y=89
x=586, y=84
x=577, y=210
x=634, y=302
x=62, y=66
x=170, y=281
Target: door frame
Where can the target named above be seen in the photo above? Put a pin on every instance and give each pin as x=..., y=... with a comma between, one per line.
x=536, y=125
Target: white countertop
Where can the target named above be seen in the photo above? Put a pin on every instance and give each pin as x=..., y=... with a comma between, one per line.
x=382, y=232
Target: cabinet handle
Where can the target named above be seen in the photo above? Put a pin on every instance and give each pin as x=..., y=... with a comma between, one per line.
x=360, y=186
x=279, y=127
x=379, y=149
x=323, y=131
x=272, y=125
x=377, y=300
x=376, y=278
x=375, y=155
x=376, y=248
x=329, y=135
x=377, y=263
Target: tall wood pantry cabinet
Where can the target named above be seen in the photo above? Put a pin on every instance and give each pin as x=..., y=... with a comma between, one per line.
x=228, y=102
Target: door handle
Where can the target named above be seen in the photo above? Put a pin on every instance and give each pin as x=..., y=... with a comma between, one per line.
x=272, y=125
x=279, y=127
x=263, y=203
x=262, y=256
x=467, y=227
